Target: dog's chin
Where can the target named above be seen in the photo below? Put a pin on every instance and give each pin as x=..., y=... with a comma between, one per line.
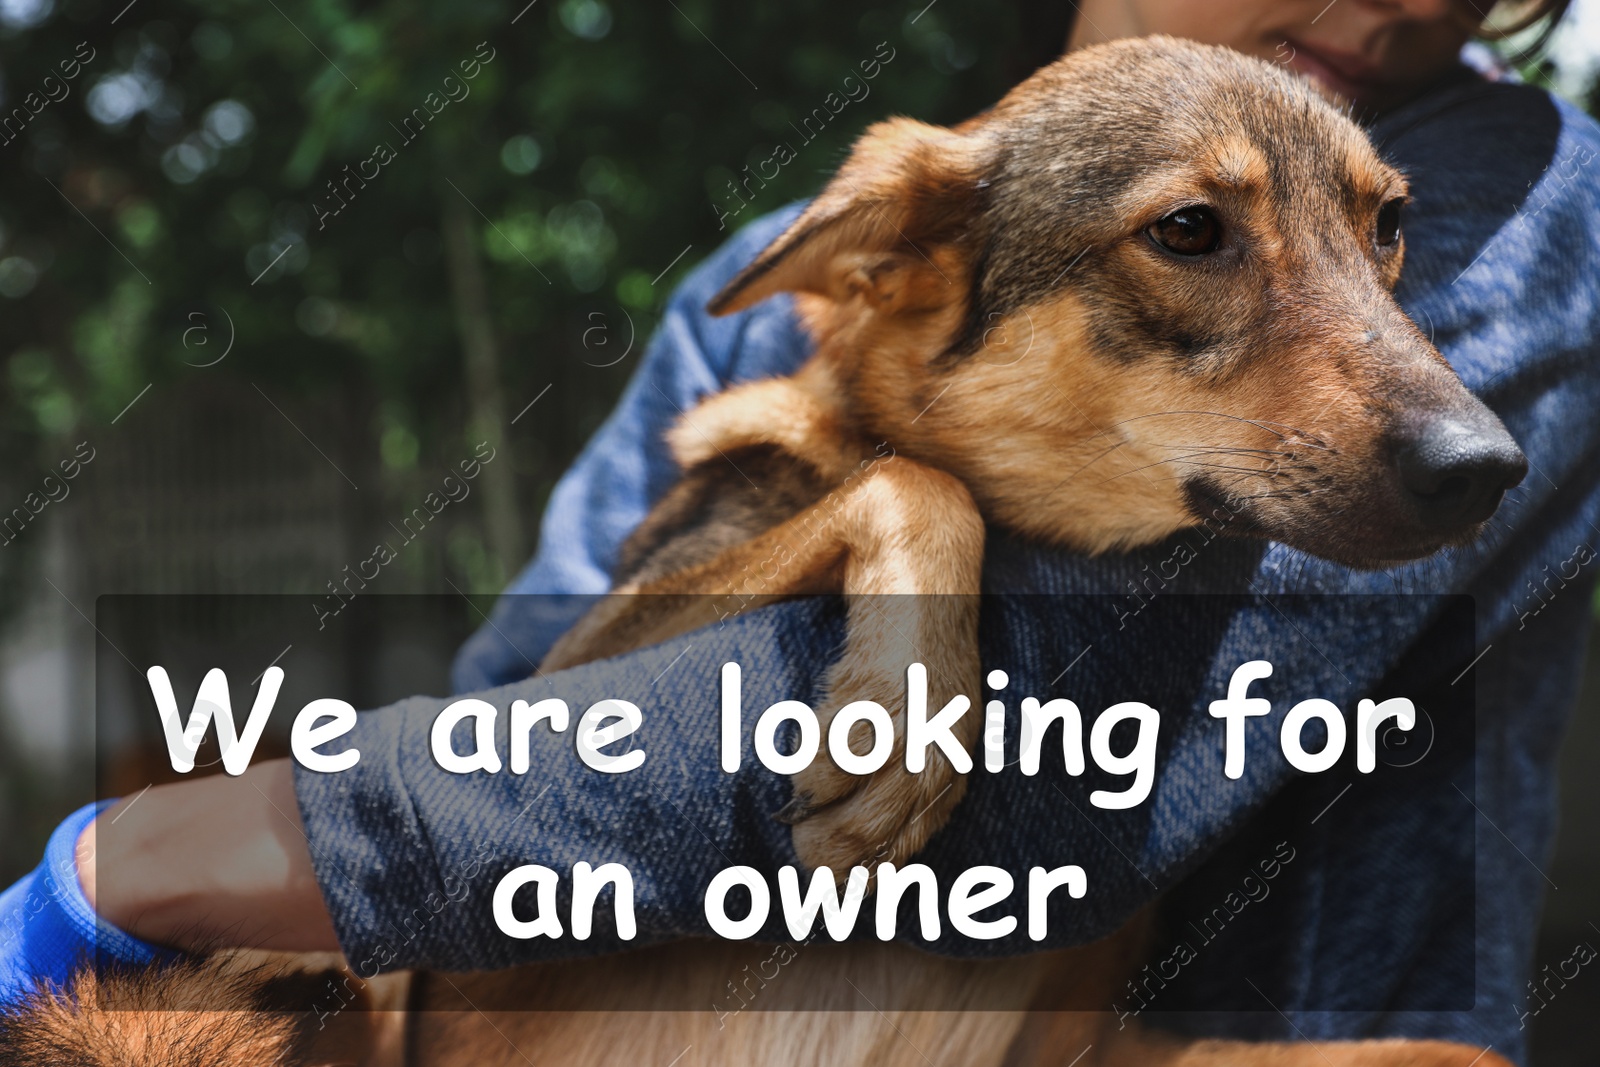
x=1370, y=547
x=1358, y=553
x=1373, y=558
x=1378, y=548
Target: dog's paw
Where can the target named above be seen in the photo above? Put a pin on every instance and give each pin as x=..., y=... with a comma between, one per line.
x=885, y=817
x=841, y=819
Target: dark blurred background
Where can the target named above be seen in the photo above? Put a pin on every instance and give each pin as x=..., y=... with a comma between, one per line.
x=275, y=341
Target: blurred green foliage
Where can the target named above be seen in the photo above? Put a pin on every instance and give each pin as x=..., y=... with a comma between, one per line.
x=187, y=171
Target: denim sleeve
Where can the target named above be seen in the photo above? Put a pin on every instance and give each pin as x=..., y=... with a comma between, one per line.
x=1503, y=270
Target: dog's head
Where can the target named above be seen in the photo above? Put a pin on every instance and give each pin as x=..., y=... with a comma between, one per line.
x=1151, y=288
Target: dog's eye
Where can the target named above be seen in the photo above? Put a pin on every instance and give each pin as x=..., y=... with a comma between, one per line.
x=1389, y=223
x=1192, y=231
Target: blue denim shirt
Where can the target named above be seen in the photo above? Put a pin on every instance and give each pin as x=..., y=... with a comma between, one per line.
x=1502, y=270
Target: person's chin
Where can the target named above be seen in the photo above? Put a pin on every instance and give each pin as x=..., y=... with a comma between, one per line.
x=1361, y=92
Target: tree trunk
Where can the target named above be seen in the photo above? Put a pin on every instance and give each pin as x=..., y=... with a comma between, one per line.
x=485, y=399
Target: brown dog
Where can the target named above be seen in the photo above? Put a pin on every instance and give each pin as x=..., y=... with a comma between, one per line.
x=1150, y=289
x=1161, y=269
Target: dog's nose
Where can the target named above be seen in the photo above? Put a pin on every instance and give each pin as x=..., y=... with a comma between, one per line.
x=1455, y=474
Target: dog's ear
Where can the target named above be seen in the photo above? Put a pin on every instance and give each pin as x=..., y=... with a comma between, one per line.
x=906, y=188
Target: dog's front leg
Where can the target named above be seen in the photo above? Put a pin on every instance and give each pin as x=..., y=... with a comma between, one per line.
x=904, y=544
x=911, y=544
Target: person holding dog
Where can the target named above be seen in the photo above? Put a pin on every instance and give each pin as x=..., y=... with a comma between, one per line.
x=1502, y=190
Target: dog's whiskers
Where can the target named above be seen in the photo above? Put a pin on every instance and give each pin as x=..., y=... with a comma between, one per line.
x=1276, y=494
x=1248, y=472
x=1237, y=450
x=1309, y=439
x=1096, y=458
x=1269, y=472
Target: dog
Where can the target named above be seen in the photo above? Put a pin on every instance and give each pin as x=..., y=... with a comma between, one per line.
x=1203, y=277
x=1162, y=273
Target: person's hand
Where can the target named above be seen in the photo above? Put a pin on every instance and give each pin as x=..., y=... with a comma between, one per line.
x=217, y=862
x=47, y=926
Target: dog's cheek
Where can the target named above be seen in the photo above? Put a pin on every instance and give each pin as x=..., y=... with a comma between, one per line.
x=1194, y=318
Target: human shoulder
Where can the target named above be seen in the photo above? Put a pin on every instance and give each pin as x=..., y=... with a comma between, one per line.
x=1505, y=180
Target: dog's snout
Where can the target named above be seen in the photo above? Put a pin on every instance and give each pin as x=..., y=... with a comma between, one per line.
x=1455, y=473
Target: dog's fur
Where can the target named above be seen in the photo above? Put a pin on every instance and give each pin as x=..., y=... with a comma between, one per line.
x=999, y=340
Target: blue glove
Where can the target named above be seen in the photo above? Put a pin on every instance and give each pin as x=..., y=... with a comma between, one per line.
x=47, y=928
